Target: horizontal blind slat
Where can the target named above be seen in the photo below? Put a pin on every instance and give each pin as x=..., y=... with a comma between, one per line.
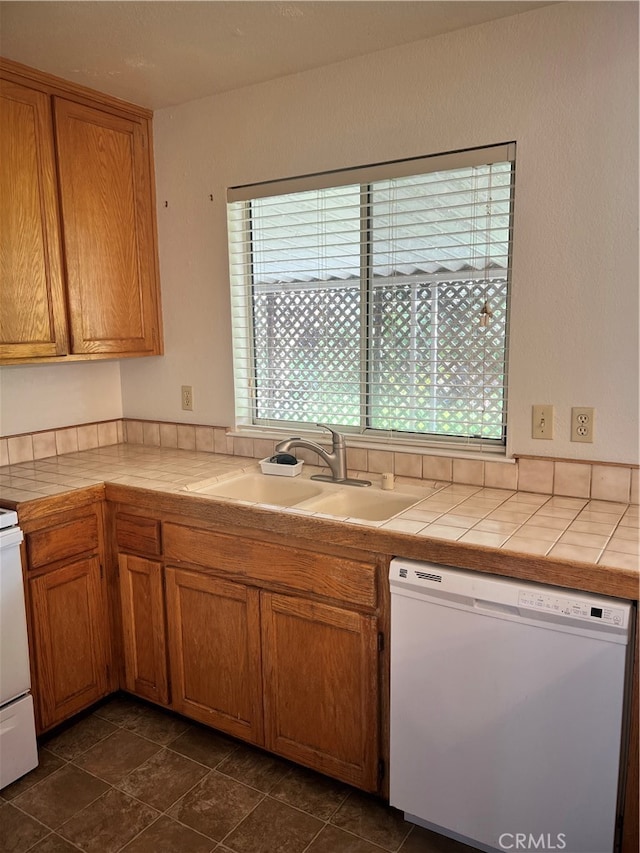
x=437, y=247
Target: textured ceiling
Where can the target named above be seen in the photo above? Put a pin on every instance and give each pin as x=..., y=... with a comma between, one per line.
x=161, y=53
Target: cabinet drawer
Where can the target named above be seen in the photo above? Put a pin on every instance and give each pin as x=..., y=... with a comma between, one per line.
x=350, y=580
x=139, y=534
x=69, y=539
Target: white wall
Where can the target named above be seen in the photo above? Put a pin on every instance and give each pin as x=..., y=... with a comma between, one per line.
x=562, y=81
x=47, y=396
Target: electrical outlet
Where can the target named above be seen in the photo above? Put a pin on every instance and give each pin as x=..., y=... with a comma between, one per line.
x=582, y=423
x=542, y=421
x=187, y=398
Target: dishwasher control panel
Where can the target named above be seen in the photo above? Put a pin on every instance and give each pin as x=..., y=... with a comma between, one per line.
x=576, y=607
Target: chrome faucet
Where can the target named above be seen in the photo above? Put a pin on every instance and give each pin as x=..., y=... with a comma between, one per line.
x=336, y=459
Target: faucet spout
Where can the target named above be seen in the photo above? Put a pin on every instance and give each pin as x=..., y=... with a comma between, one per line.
x=336, y=459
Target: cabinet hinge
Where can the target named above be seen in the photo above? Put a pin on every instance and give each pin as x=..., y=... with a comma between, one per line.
x=381, y=771
x=380, y=642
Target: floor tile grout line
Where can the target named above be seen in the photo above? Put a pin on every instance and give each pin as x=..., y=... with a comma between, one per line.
x=43, y=738
x=103, y=794
x=116, y=786
x=201, y=763
x=165, y=812
x=168, y=746
x=144, y=829
x=186, y=826
x=322, y=828
x=33, y=787
x=51, y=832
x=160, y=813
x=368, y=840
x=242, y=819
x=51, y=829
x=39, y=782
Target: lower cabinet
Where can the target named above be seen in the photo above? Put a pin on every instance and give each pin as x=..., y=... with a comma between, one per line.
x=214, y=649
x=276, y=645
x=70, y=639
x=299, y=677
x=143, y=628
x=320, y=681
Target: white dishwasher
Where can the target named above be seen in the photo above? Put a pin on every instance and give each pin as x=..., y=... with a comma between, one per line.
x=508, y=709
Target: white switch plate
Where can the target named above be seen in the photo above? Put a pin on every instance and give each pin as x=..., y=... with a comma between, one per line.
x=542, y=421
x=582, y=423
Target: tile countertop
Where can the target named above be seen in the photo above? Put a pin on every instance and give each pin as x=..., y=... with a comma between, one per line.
x=578, y=530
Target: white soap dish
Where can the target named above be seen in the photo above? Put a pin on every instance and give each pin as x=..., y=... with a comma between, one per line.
x=281, y=470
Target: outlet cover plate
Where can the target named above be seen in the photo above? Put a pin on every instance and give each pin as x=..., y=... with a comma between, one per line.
x=582, y=423
x=187, y=398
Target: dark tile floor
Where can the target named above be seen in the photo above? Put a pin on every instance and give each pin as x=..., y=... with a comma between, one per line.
x=131, y=777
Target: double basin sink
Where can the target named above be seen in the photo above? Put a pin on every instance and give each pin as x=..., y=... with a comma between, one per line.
x=370, y=503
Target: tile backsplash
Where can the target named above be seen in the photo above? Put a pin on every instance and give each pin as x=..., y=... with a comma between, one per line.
x=578, y=479
x=40, y=445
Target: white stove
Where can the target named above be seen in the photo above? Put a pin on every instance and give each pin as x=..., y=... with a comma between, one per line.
x=18, y=748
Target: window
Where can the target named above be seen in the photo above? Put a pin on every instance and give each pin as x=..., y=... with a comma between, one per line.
x=376, y=299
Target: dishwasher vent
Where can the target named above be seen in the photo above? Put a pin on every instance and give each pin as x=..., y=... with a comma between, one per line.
x=428, y=576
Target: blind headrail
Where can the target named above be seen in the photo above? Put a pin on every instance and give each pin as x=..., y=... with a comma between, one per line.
x=377, y=172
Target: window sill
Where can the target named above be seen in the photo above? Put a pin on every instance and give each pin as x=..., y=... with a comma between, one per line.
x=391, y=445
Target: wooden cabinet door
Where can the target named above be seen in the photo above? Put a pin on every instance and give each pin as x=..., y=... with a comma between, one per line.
x=321, y=687
x=143, y=625
x=106, y=200
x=68, y=611
x=32, y=306
x=214, y=652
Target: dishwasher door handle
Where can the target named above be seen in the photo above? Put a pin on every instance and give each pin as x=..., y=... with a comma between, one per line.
x=495, y=607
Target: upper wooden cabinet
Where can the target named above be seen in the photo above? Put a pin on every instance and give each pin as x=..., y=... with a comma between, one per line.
x=103, y=168
x=77, y=229
x=32, y=319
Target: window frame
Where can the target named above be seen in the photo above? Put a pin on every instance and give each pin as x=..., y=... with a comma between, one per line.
x=242, y=301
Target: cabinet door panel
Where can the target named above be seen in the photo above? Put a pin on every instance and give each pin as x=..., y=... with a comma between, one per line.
x=32, y=314
x=68, y=609
x=214, y=648
x=143, y=621
x=105, y=185
x=320, y=687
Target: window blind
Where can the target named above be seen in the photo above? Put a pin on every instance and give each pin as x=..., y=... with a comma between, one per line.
x=378, y=304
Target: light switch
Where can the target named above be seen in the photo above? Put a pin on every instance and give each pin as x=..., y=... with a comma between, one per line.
x=542, y=421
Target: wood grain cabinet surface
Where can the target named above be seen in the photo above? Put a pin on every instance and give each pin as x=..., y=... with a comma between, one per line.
x=143, y=627
x=279, y=645
x=79, y=250
x=275, y=644
x=67, y=612
x=33, y=319
x=214, y=648
x=321, y=695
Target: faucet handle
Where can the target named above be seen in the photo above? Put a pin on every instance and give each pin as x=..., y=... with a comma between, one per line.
x=338, y=438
